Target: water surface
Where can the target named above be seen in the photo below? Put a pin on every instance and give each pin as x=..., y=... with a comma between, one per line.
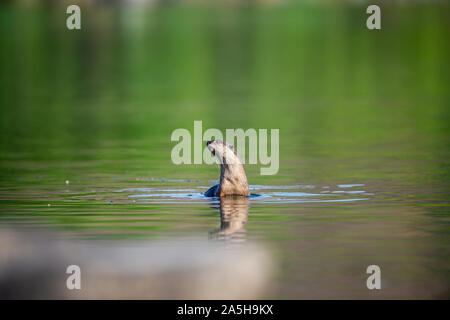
x=86, y=119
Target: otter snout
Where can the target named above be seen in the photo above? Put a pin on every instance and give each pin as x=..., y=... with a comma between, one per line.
x=210, y=148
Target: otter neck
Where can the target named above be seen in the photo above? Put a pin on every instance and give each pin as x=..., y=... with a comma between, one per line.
x=233, y=180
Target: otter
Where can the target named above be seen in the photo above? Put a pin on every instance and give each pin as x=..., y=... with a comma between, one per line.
x=233, y=180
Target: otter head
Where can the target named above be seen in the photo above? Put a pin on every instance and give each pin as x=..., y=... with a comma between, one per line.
x=224, y=152
x=233, y=180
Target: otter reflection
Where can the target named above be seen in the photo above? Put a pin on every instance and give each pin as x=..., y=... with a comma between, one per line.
x=233, y=217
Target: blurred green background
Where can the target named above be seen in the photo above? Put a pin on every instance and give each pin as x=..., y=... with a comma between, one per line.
x=116, y=89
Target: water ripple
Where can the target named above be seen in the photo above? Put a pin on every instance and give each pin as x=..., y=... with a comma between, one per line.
x=260, y=194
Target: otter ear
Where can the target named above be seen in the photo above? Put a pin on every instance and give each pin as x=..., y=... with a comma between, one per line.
x=227, y=145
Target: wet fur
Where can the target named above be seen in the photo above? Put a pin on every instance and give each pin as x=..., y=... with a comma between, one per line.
x=233, y=180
